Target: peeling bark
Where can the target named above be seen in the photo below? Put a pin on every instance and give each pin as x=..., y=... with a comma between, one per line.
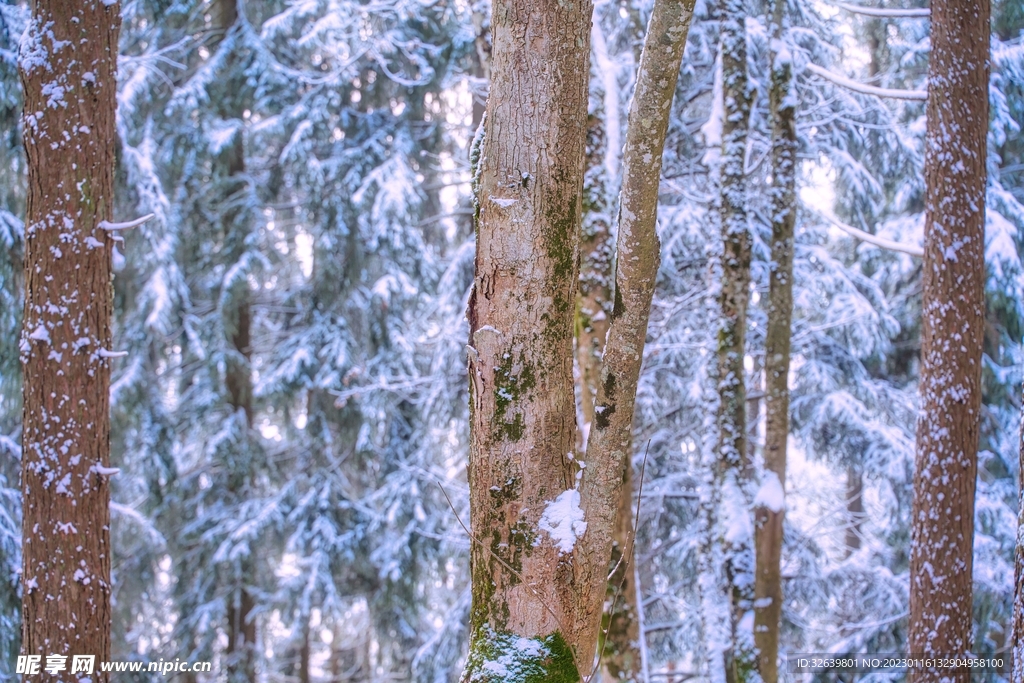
x=68, y=66
x=953, y=306
x=769, y=516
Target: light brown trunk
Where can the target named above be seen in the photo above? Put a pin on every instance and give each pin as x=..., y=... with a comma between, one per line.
x=68, y=67
x=953, y=307
x=771, y=511
x=523, y=415
x=637, y=257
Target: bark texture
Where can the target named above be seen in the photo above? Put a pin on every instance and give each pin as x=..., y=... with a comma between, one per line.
x=68, y=65
x=526, y=610
x=952, y=327
x=734, y=466
x=637, y=257
x=620, y=626
x=770, y=512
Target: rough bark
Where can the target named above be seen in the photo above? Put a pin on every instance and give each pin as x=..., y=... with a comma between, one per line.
x=770, y=513
x=733, y=467
x=621, y=656
x=68, y=66
x=1017, y=617
x=526, y=610
x=637, y=257
x=951, y=341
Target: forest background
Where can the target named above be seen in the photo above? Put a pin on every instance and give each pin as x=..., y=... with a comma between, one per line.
x=308, y=165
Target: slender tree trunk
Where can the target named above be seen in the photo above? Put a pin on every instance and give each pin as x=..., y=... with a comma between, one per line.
x=733, y=469
x=637, y=257
x=241, y=648
x=854, y=509
x=620, y=648
x=1017, y=616
x=529, y=179
x=68, y=68
x=770, y=507
x=952, y=328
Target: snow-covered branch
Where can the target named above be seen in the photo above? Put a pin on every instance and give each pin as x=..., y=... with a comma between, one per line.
x=128, y=225
x=921, y=12
x=919, y=95
x=891, y=245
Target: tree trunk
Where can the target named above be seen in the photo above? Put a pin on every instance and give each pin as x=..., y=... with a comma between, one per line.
x=854, y=509
x=1017, y=615
x=637, y=257
x=770, y=507
x=526, y=612
x=68, y=68
x=733, y=468
x=953, y=307
x=620, y=648
x=241, y=648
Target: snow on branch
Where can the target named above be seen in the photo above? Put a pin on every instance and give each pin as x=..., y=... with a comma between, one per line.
x=921, y=12
x=128, y=225
x=891, y=245
x=919, y=95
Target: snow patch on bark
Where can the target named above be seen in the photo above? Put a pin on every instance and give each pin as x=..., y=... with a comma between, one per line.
x=563, y=519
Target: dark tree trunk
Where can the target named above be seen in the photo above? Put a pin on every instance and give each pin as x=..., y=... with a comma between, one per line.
x=770, y=509
x=952, y=327
x=68, y=71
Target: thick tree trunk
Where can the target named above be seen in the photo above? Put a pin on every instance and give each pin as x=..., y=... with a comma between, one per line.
x=526, y=614
x=637, y=257
x=770, y=507
x=952, y=327
x=68, y=68
x=733, y=467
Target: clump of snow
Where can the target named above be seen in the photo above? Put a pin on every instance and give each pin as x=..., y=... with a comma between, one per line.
x=563, y=519
x=771, y=494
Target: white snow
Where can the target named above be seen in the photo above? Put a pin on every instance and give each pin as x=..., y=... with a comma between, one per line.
x=40, y=334
x=771, y=494
x=563, y=519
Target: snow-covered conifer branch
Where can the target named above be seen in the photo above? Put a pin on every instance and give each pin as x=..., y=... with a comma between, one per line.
x=875, y=239
x=128, y=225
x=917, y=12
x=919, y=95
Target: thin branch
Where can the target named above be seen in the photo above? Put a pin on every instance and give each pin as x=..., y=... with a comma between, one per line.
x=891, y=245
x=863, y=88
x=922, y=12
